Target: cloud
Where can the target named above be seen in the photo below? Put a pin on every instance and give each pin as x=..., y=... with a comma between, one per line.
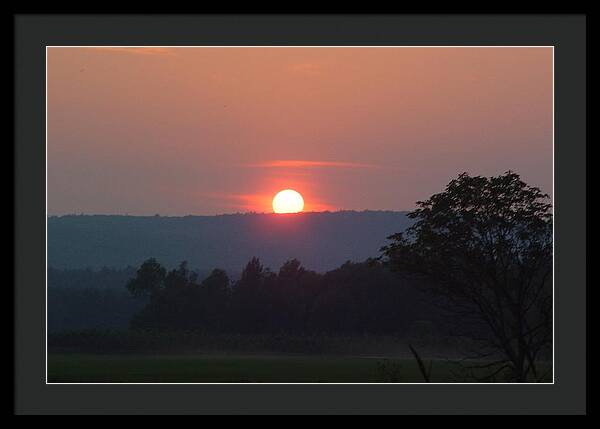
x=138, y=50
x=310, y=69
x=309, y=164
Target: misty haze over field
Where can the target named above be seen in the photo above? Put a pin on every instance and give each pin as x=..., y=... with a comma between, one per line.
x=321, y=241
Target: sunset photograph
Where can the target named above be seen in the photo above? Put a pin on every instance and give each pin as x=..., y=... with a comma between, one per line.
x=300, y=214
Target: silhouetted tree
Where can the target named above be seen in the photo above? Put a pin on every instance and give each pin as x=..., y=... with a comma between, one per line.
x=252, y=275
x=173, y=305
x=250, y=303
x=292, y=296
x=291, y=269
x=485, y=244
x=214, y=300
x=149, y=279
x=180, y=278
x=217, y=283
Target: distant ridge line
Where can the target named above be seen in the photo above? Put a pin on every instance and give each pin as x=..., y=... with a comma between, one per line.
x=227, y=214
x=321, y=241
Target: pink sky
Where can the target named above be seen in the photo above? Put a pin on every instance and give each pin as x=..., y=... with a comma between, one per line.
x=179, y=131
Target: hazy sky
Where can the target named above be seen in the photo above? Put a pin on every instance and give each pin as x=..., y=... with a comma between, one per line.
x=219, y=130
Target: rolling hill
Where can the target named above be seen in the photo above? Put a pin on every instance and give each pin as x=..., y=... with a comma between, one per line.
x=320, y=240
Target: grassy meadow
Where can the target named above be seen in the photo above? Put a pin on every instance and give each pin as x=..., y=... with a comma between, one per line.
x=234, y=369
x=194, y=368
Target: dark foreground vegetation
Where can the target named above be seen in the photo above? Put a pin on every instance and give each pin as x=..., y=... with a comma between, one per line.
x=236, y=368
x=472, y=275
x=357, y=298
x=131, y=342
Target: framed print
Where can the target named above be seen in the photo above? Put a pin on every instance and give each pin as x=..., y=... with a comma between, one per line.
x=233, y=214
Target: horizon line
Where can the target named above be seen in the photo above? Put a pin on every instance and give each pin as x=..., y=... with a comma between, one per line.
x=227, y=214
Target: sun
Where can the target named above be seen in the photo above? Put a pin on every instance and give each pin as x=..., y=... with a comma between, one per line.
x=288, y=201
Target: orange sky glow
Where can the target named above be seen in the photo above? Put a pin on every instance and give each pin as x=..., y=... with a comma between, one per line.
x=179, y=131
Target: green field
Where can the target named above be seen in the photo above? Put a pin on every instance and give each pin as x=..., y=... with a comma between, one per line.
x=80, y=368
x=207, y=369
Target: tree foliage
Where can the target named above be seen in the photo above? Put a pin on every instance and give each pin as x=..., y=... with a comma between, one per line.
x=355, y=298
x=485, y=247
x=149, y=279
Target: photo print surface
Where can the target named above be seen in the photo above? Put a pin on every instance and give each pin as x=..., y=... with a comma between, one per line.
x=299, y=214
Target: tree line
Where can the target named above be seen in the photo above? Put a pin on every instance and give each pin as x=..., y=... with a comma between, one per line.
x=355, y=298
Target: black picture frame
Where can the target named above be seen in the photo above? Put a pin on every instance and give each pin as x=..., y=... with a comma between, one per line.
x=567, y=33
